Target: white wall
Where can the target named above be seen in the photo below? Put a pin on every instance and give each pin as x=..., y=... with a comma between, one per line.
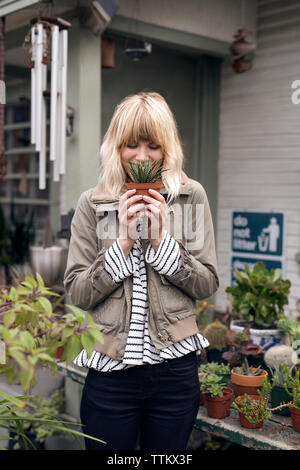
x=216, y=19
x=259, y=162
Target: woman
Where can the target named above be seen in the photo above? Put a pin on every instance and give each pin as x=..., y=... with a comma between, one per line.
x=142, y=388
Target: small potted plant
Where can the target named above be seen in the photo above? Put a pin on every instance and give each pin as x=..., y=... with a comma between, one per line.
x=240, y=346
x=201, y=377
x=221, y=370
x=258, y=298
x=145, y=176
x=215, y=333
x=292, y=387
x=279, y=377
x=246, y=379
x=253, y=409
x=217, y=396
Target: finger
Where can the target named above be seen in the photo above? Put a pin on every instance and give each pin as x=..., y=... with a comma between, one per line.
x=133, y=209
x=156, y=195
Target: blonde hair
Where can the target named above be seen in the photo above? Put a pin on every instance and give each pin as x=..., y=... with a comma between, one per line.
x=144, y=116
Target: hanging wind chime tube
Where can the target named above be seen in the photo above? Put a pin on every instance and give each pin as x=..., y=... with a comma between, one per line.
x=64, y=64
x=58, y=28
x=3, y=161
x=33, y=85
x=53, y=110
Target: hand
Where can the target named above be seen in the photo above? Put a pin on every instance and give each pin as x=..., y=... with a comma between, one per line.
x=157, y=211
x=128, y=215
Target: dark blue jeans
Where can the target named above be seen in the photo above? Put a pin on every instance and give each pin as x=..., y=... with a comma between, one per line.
x=149, y=407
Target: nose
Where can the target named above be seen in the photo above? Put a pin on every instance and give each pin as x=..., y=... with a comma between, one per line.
x=141, y=154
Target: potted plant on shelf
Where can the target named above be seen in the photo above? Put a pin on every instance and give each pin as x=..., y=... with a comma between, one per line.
x=217, y=396
x=221, y=370
x=292, y=387
x=253, y=409
x=258, y=298
x=215, y=333
x=240, y=346
x=279, y=377
x=246, y=379
x=145, y=176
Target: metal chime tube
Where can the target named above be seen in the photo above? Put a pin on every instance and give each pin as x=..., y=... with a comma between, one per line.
x=39, y=83
x=33, y=85
x=64, y=47
x=54, y=74
x=43, y=164
x=58, y=114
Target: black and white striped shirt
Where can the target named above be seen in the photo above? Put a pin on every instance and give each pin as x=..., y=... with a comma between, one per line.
x=139, y=347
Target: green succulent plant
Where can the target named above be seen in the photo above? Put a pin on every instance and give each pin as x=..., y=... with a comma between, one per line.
x=292, y=387
x=215, y=333
x=144, y=172
x=215, y=368
x=211, y=384
x=259, y=295
x=256, y=410
x=245, y=369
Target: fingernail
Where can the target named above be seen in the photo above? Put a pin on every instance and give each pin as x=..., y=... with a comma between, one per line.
x=151, y=190
x=145, y=197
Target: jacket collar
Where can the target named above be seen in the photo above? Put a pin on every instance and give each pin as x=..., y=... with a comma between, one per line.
x=98, y=195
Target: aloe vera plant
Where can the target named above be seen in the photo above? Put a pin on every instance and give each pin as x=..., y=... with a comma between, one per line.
x=144, y=172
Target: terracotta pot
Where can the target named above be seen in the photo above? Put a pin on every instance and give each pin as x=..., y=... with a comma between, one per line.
x=219, y=407
x=247, y=383
x=202, y=399
x=295, y=414
x=142, y=188
x=243, y=420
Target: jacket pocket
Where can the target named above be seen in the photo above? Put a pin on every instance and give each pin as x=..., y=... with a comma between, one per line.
x=112, y=311
x=176, y=303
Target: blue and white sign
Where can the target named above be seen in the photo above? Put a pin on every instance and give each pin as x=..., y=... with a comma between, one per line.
x=238, y=262
x=259, y=233
x=256, y=236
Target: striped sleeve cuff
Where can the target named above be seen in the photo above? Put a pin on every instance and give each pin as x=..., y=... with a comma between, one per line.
x=167, y=258
x=117, y=266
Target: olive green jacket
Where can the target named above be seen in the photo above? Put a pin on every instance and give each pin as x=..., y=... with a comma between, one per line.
x=172, y=298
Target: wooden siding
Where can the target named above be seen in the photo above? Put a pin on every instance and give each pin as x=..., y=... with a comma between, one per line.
x=259, y=154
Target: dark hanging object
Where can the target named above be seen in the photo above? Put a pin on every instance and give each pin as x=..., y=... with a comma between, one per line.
x=242, y=51
x=107, y=53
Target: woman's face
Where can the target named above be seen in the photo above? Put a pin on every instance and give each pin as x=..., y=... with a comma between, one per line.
x=141, y=152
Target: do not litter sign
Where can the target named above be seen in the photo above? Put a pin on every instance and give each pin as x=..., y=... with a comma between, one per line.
x=257, y=236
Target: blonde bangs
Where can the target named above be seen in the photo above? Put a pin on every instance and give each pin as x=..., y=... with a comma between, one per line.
x=140, y=123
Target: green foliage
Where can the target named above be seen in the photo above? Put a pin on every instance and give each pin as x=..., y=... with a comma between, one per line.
x=145, y=172
x=244, y=369
x=291, y=327
x=32, y=331
x=281, y=374
x=215, y=368
x=259, y=295
x=240, y=346
x=212, y=385
x=202, y=318
x=292, y=387
x=39, y=416
x=255, y=410
x=215, y=333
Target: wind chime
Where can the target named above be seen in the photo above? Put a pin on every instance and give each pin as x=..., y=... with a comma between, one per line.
x=49, y=47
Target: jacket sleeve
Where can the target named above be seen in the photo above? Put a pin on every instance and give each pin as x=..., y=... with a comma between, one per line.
x=85, y=279
x=198, y=276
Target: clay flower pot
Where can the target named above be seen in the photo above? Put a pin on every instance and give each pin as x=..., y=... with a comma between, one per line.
x=247, y=383
x=142, y=188
x=295, y=414
x=202, y=399
x=243, y=420
x=219, y=407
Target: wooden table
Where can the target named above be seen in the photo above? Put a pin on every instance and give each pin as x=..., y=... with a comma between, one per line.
x=276, y=433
